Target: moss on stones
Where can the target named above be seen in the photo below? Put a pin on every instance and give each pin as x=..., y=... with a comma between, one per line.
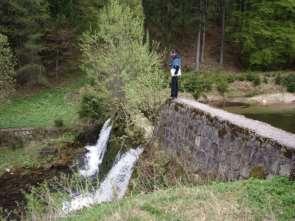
x=258, y=172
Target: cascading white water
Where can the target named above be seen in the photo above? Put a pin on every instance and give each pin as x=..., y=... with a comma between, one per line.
x=113, y=187
x=95, y=154
x=116, y=183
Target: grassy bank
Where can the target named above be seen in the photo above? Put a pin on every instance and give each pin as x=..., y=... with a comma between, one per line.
x=43, y=108
x=25, y=157
x=243, y=200
x=34, y=154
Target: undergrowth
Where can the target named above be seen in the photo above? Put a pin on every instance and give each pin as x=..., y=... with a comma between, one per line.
x=200, y=83
x=287, y=81
x=48, y=200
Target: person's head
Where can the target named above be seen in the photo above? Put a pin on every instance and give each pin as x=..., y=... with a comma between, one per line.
x=173, y=53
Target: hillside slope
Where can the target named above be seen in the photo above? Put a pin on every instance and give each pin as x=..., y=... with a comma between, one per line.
x=43, y=107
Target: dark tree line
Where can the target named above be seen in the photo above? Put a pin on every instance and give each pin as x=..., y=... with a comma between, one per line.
x=263, y=30
x=44, y=34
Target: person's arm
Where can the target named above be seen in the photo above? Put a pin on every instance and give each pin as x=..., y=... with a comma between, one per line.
x=180, y=62
x=171, y=63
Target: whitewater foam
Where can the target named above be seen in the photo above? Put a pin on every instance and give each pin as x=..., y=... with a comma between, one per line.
x=112, y=188
x=95, y=154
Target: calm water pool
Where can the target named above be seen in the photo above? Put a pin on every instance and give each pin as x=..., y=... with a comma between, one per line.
x=281, y=116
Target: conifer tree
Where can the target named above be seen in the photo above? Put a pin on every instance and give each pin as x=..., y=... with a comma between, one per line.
x=7, y=64
x=24, y=23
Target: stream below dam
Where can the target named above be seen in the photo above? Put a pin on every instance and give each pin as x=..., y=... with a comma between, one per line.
x=88, y=165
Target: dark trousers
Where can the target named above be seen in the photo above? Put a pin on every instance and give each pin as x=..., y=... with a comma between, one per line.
x=174, y=84
x=174, y=87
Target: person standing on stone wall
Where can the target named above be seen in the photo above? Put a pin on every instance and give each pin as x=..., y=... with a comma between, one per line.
x=175, y=70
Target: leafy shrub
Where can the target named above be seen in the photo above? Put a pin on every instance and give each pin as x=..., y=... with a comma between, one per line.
x=231, y=78
x=7, y=64
x=92, y=107
x=59, y=123
x=289, y=82
x=250, y=77
x=241, y=77
x=278, y=79
x=222, y=86
x=255, y=78
x=257, y=81
x=196, y=84
x=291, y=87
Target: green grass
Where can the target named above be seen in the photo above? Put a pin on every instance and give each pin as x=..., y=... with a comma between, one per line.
x=43, y=108
x=24, y=157
x=29, y=156
x=243, y=200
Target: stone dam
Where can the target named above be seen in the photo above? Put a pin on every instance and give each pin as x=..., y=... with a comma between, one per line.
x=222, y=145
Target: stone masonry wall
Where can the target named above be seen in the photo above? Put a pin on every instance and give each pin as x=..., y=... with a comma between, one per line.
x=222, y=145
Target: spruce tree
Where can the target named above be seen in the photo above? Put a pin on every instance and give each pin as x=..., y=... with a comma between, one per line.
x=24, y=22
x=7, y=64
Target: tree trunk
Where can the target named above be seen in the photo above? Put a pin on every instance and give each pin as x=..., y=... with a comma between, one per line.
x=221, y=61
x=204, y=30
x=198, y=53
x=198, y=50
x=203, y=46
x=56, y=63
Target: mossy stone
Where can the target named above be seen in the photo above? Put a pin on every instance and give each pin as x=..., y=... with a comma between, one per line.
x=258, y=172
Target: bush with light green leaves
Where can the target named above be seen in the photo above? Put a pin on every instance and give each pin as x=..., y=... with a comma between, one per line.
x=116, y=58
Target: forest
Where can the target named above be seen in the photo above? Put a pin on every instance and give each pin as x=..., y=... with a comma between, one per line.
x=76, y=75
x=261, y=32
x=40, y=38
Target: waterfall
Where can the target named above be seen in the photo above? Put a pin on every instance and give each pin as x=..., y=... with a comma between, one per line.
x=115, y=183
x=95, y=154
x=113, y=187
